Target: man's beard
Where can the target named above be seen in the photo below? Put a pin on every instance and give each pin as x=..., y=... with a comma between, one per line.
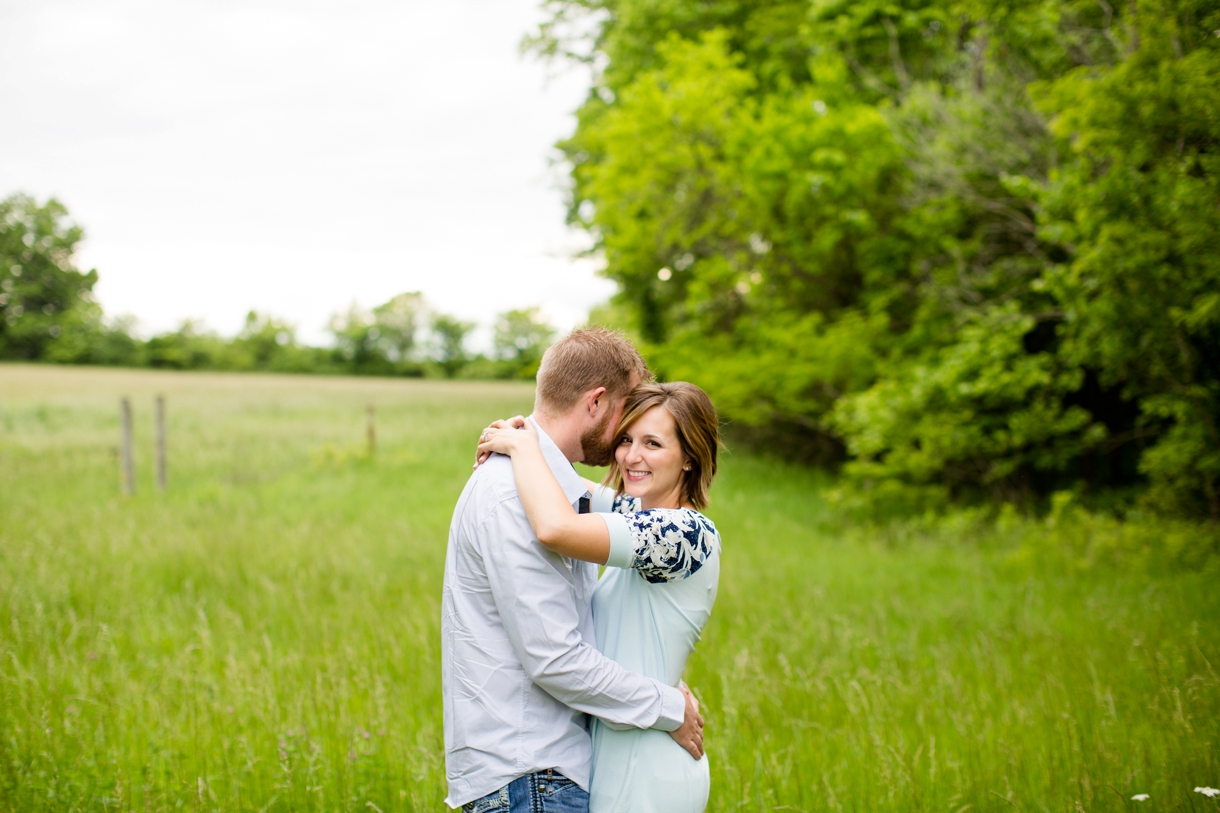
x=596, y=449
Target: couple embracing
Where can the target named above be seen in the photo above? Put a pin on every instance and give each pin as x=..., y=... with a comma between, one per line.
x=564, y=693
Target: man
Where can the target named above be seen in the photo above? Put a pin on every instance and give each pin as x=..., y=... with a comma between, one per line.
x=519, y=671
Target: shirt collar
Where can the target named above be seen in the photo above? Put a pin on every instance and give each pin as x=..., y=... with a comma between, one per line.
x=573, y=486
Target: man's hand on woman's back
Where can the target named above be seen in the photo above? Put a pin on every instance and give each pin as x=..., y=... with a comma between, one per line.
x=690, y=734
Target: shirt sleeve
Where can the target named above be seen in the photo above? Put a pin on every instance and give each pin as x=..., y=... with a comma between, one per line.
x=533, y=592
x=664, y=545
x=606, y=501
x=603, y=500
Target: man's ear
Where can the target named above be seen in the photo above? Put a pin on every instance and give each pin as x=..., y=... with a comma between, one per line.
x=595, y=400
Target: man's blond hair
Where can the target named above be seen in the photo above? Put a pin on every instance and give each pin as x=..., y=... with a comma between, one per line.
x=583, y=360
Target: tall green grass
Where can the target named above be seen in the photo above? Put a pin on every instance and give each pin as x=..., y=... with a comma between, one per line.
x=265, y=635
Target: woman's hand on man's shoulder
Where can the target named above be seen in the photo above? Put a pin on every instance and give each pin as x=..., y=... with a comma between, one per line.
x=496, y=438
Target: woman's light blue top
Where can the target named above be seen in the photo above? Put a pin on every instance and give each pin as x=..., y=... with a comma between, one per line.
x=649, y=610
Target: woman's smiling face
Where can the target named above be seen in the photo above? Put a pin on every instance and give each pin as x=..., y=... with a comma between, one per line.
x=651, y=460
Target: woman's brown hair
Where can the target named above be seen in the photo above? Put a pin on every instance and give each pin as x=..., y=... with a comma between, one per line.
x=698, y=434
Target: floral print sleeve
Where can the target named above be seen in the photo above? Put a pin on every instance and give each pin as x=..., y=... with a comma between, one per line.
x=669, y=544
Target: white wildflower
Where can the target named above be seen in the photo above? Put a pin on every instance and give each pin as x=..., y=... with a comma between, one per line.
x=1208, y=792
x=1140, y=797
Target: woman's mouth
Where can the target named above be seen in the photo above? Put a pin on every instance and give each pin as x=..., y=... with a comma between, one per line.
x=636, y=476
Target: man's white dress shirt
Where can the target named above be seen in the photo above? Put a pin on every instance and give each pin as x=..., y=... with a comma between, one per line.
x=519, y=670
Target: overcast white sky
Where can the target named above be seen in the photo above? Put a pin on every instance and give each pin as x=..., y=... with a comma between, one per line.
x=294, y=155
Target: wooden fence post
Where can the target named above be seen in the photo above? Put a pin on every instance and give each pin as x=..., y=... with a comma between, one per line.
x=371, y=428
x=128, y=462
x=162, y=473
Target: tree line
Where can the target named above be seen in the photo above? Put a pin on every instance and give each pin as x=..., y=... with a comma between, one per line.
x=47, y=313
x=966, y=249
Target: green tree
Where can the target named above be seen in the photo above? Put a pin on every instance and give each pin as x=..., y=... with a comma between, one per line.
x=381, y=341
x=191, y=347
x=42, y=293
x=90, y=338
x=397, y=322
x=519, y=339
x=449, y=342
x=268, y=343
x=969, y=244
x=1136, y=211
x=358, y=340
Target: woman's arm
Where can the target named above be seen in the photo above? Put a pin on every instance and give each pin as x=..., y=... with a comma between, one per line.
x=518, y=422
x=557, y=526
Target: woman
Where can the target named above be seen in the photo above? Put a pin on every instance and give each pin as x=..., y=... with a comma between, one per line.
x=663, y=566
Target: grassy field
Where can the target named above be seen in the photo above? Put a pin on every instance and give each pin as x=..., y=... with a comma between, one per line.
x=264, y=636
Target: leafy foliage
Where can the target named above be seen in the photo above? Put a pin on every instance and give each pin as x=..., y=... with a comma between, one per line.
x=449, y=342
x=969, y=246
x=42, y=294
x=520, y=338
x=1139, y=210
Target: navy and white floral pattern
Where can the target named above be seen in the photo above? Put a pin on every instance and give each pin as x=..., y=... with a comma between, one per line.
x=671, y=544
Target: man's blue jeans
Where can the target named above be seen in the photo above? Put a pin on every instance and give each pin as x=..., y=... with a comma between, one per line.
x=542, y=792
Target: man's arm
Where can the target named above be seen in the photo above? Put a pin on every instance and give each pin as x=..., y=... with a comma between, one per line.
x=531, y=590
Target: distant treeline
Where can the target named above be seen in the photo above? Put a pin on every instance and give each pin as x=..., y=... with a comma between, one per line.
x=969, y=249
x=47, y=313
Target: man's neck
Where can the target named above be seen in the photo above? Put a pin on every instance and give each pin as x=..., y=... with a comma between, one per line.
x=563, y=432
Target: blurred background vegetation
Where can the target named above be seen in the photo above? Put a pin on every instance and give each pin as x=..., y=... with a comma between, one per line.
x=968, y=253
x=48, y=313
